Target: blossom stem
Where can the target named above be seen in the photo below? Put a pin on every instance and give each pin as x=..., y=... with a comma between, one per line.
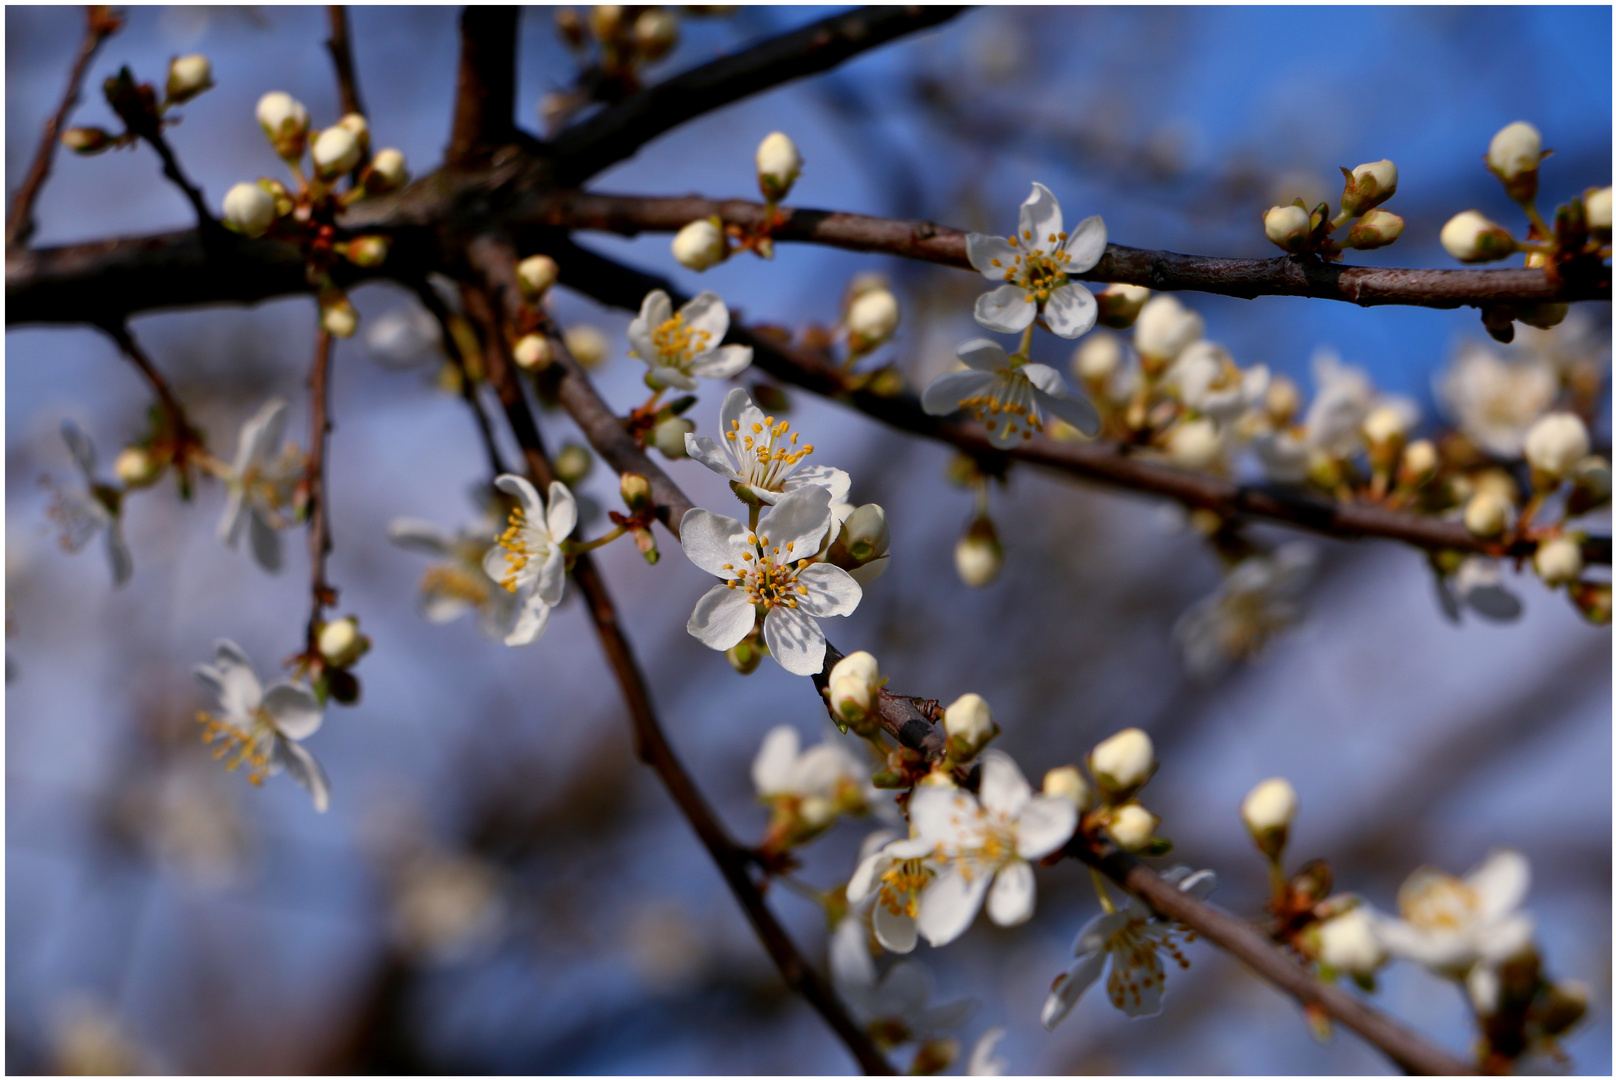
x=1276, y=877
x=1024, y=351
x=1106, y=903
x=574, y=548
x=1532, y=215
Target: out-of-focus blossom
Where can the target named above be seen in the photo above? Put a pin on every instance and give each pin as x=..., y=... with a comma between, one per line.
x=1257, y=600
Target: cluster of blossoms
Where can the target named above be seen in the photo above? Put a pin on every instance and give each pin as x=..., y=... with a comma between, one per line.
x=1298, y=230
x=136, y=104
x=706, y=242
x=613, y=43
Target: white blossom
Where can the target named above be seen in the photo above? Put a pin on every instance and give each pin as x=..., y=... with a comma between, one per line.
x=771, y=573
x=700, y=245
x=1348, y=942
x=778, y=165
x=1208, y=381
x=403, y=337
x=1493, y=401
x=1555, y=443
x=335, y=152
x=1515, y=149
x=1165, y=328
x=1036, y=266
x=1288, y=226
x=822, y=781
x=259, y=485
x=1009, y=396
x=894, y=872
x=1132, y=939
x=262, y=727
x=1558, y=561
x=1123, y=762
x=387, y=171
x=1470, y=237
x=528, y=561
x=82, y=515
x=457, y=583
x=681, y=347
x=897, y=1003
x=982, y=1061
x=762, y=454
x=1257, y=599
x=249, y=209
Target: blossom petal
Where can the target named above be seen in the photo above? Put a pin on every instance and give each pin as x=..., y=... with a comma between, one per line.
x=933, y=809
x=1069, y=987
x=738, y=412
x=1008, y=309
x=985, y=251
x=702, y=449
x=526, y=494
x=1040, y=220
x=1071, y=311
x=831, y=591
x=980, y=354
x=531, y=620
x=943, y=1018
x=261, y=434
x=1507, y=939
x=707, y=312
x=862, y=883
x=946, y=392
x=1090, y=940
x=1501, y=883
x=895, y=932
x=949, y=904
x=1075, y=410
x=265, y=541
x=1045, y=824
x=800, y=519
x=123, y=565
x=561, y=516
x=865, y=575
x=302, y=767
x=82, y=449
x=1136, y=988
x=242, y=691
x=982, y=1061
x=294, y=708
x=655, y=310
x=1013, y=895
x=795, y=640
x=663, y=375
x=232, y=520
x=775, y=767
x=723, y=362
x=439, y=607
x=1003, y=790
x=712, y=541
x=833, y=480
x=1085, y=245
x=723, y=616
x=413, y=534
x=551, y=579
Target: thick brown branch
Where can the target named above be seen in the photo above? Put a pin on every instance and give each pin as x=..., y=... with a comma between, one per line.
x=629, y=215
x=100, y=25
x=1107, y=463
x=341, y=50
x=651, y=744
x=321, y=594
x=619, y=131
x=485, y=100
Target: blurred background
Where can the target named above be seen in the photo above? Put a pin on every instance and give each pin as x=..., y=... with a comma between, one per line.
x=499, y=886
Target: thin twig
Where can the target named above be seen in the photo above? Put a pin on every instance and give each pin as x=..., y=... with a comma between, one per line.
x=100, y=24
x=186, y=437
x=468, y=386
x=341, y=49
x=321, y=593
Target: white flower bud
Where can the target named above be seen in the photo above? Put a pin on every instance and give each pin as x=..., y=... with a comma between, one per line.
x=606, y=20
x=341, y=643
x=1289, y=227
x=535, y=274
x=1268, y=810
x=86, y=140
x=1385, y=424
x=969, y=720
x=1420, y=460
x=1119, y=305
x=1122, y=763
x=635, y=491
x=1555, y=444
x=1282, y=401
x=700, y=244
x=1515, y=150
x=249, y=209
x=1348, y=943
x=979, y=557
x=778, y=165
x=1067, y=783
x=872, y=318
x=1486, y=514
x=285, y=121
x=1165, y=328
x=1591, y=476
x=865, y=533
x=854, y=684
x=533, y=352
x=1596, y=205
x=1558, y=561
x=816, y=812
x=655, y=33
x=188, y=76
x=572, y=464
x=136, y=468
x=587, y=345
x=1375, y=229
x=1194, y=444
x=1368, y=186
x=335, y=152
x=338, y=316
x=1470, y=237
x=669, y=437
x=357, y=126
x=386, y=172
x=1132, y=827
x=1097, y=358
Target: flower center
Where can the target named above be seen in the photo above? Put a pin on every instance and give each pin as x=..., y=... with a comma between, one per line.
x=1010, y=398
x=248, y=747
x=770, y=577
x=451, y=581
x=1038, y=272
x=901, y=886
x=763, y=463
x=75, y=516
x=1135, y=966
x=1444, y=904
x=522, y=543
x=678, y=344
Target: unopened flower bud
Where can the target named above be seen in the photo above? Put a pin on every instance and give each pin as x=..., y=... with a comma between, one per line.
x=1375, y=229
x=1590, y=480
x=1067, y=783
x=341, y=643
x=573, y=463
x=979, y=557
x=1368, y=186
x=86, y=140
x=636, y=491
x=1470, y=237
x=338, y=316
x=1289, y=227
x=1268, y=810
x=872, y=319
x=533, y=352
x=1486, y=515
x=606, y=21
x=335, y=152
x=249, y=209
x=188, y=76
x=669, y=437
x=1593, y=600
x=1386, y=424
x=1554, y=445
x=1282, y=401
x=358, y=127
x=1558, y=561
x=368, y=250
x=865, y=534
x=778, y=165
x=816, y=812
x=1419, y=463
x=1132, y=827
x=1542, y=316
x=535, y=274
x=136, y=468
x=1596, y=207
x=1348, y=944
x=285, y=121
x=1097, y=358
x=854, y=683
x=386, y=172
x=1122, y=763
x=745, y=656
x=1120, y=304
x=969, y=723
x=1194, y=444
x=1513, y=156
x=655, y=32
x=700, y=245
x=1164, y=329
x=587, y=345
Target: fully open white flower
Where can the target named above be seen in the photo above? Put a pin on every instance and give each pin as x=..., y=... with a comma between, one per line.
x=983, y=840
x=897, y=1004
x=528, y=561
x=1009, y=397
x=457, y=583
x=1132, y=939
x=822, y=781
x=1478, y=584
x=81, y=515
x=681, y=347
x=1208, y=381
x=1036, y=267
x=761, y=453
x=259, y=485
x=1257, y=600
x=1495, y=402
x=895, y=872
x=771, y=573
x=262, y=726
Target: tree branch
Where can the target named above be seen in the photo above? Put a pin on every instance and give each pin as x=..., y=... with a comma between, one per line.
x=485, y=100
x=100, y=24
x=321, y=594
x=341, y=50
x=618, y=132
